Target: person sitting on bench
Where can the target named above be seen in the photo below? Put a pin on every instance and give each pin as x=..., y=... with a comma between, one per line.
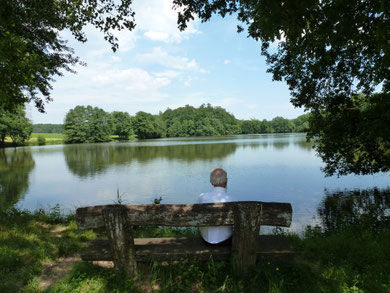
x=221, y=235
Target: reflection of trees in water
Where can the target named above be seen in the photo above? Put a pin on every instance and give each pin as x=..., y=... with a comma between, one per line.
x=279, y=145
x=304, y=145
x=15, y=167
x=343, y=208
x=89, y=160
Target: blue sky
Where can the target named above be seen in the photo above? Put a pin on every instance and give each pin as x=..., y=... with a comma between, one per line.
x=157, y=67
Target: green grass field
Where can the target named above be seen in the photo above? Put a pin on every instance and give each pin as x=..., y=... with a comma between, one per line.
x=51, y=138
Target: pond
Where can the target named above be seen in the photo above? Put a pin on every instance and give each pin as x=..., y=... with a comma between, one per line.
x=271, y=167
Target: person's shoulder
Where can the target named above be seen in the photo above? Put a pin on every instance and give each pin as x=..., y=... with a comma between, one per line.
x=203, y=197
x=230, y=197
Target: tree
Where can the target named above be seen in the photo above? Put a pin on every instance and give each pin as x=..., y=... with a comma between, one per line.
x=32, y=51
x=265, y=126
x=282, y=125
x=250, y=126
x=346, y=140
x=48, y=128
x=328, y=52
x=122, y=124
x=148, y=126
x=87, y=124
x=15, y=125
x=302, y=123
x=205, y=120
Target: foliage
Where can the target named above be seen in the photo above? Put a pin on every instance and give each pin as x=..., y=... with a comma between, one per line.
x=48, y=128
x=327, y=53
x=301, y=123
x=146, y=125
x=87, y=124
x=203, y=121
x=121, y=124
x=282, y=125
x=15, y=125
x=250, y=126
x=32, y=51
x=353, y=247
x=41, y=140
x=345, y=138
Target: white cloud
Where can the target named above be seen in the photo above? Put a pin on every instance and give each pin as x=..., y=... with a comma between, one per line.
x=108, y=86
x=126, y=39
x=156, y=36
x=167, y=73
x=158, y=21
x=115, y=59
x=160, y=57
x=187, y=83
x=129, y=79
x=226, y=62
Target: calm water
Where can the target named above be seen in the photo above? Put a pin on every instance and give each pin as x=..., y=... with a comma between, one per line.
x=278, y=167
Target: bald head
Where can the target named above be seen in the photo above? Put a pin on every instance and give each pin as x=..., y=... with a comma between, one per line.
x=218, y=177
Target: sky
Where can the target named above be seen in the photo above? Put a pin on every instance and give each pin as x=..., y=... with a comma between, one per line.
x=157, y=67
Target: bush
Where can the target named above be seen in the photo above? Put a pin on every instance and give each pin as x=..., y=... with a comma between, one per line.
x=41, y=140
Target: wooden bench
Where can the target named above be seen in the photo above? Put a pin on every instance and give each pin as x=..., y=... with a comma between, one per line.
x=245, y=217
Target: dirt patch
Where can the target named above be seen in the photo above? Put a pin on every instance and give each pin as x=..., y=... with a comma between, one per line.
x=56, y=271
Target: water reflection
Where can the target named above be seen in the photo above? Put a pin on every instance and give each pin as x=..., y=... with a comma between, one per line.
x=93, y=159
x=343, y=208
x=89, y=160
x=15, y=167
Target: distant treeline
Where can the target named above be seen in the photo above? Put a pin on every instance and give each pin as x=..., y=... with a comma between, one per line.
x=48, y=128
x=92, y=124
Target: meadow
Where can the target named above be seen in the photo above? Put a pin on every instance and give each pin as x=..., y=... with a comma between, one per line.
x=47, y=139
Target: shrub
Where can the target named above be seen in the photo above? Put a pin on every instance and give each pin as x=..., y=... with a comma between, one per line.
x=41, y=140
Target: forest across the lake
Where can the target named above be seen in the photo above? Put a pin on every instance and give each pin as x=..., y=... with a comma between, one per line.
x=92, y=124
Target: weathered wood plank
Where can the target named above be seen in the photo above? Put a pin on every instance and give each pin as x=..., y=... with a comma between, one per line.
x=246, y=231
x=211, y=214
x=149, y=249
x=121, y=240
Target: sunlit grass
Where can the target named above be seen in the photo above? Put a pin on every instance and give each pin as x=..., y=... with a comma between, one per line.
x=52, y=138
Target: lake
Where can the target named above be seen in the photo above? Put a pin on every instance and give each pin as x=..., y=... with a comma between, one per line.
x=269, y=167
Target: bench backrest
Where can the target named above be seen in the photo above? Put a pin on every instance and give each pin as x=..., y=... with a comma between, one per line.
x=245, y=216
x=181, y=215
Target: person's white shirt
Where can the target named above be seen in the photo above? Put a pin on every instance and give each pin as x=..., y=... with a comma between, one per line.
x=215, y=234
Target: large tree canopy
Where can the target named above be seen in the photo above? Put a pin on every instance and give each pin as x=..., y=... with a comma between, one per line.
x=87, y=124
x=328, y=52
x=15, y=125
x=32, y=51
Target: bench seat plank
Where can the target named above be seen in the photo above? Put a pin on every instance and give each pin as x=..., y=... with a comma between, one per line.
x=212, y=214
x=149, y=249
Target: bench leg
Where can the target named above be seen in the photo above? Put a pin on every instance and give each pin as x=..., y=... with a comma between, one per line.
x=121, y=240
x=245, y=237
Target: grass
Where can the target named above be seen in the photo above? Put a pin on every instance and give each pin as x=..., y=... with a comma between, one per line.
x=356, y=258
x=49, y=139
x=28, y=241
